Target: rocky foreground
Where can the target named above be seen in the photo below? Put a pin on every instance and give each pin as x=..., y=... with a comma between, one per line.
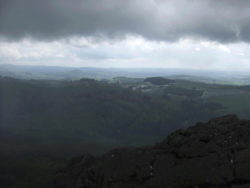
x=215, y=154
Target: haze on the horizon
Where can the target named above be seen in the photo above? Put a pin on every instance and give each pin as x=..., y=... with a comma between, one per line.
x=192, y=34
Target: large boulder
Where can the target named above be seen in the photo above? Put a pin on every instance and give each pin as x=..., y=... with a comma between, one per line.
x=207, y=155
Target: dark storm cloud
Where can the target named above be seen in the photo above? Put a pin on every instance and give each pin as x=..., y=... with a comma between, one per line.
x=167, y=20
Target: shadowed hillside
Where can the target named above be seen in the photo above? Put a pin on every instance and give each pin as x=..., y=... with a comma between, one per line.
x=44, y=123
x=208, y=155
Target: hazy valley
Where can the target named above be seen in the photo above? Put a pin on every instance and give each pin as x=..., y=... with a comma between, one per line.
x=46, y=122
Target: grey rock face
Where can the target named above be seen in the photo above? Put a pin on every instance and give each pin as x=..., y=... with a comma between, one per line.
x=215, y=154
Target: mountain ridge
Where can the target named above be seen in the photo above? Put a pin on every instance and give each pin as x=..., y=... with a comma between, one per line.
x=208, y=155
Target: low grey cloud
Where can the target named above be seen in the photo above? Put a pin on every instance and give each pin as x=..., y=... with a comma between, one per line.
x=223, y=21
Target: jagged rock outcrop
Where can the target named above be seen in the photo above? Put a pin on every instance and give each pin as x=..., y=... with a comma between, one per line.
x=215, y=154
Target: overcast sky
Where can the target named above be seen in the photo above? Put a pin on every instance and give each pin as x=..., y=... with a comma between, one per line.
x=197, y=34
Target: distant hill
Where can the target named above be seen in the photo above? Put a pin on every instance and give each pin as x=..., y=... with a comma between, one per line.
x=159, y=81
x=75, y=73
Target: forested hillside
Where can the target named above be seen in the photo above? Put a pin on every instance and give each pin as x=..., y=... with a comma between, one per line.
x=44, y=123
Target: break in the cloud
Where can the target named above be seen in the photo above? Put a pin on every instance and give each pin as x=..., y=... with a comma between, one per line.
x=165, y=20
x=132, y=52
x=201, y=34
